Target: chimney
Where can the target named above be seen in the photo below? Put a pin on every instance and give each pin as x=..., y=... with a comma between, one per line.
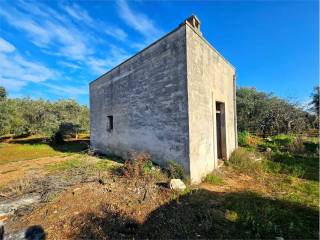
x=194, y=22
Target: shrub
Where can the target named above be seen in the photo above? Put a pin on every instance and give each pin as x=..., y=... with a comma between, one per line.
x=57, y=138
x=243, y=138
x=311, y=147
x=175, y=170
x=297, y=145
x=137, y=165
x=242, y=160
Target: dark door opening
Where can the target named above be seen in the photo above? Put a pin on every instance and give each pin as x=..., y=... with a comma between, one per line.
x=220, y=130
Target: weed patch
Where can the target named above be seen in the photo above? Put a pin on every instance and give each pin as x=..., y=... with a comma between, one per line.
x=66, y=165
x=213, y=179
x=241, y=160
x=175, y=170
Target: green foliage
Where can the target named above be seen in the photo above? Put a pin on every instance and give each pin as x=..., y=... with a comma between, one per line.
x=283, y=140
x=175, y=170
x=264, y=114
x=311, y=147
x=65, y=129
x=147, y=166
x=213, y=179
x=26, y=116
x=315, y=100
x=243, y=138
x=3, y=93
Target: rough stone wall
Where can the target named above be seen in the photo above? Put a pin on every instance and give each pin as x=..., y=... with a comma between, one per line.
x=147, y=97
x=210, y=79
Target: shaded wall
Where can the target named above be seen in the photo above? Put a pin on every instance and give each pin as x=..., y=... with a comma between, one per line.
x=146, y=95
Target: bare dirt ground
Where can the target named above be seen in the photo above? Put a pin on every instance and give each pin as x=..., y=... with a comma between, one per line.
x=77, y=196
x=15, y=171
x=109, y=206
x=83, y=202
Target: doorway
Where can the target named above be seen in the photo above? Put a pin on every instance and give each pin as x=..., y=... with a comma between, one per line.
x=221, y=131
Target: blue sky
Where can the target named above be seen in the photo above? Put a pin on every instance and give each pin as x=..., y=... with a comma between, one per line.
x=52, y=50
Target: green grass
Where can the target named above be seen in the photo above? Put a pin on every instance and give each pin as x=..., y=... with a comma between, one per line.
x=20, y=152
x=291, y=208
x=213, y=179
x=263, y=217
x=20, y=149
x=85, y=163
x=66, y=165
x=243, y=138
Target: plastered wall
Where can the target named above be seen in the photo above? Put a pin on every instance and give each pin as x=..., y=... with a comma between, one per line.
x=210, y=79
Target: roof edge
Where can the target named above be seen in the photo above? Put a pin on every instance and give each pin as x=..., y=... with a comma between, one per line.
x=210, y=45
x=150, y=45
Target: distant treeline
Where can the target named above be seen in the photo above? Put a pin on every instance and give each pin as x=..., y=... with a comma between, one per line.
x=21, y=116
x=266, y=115
x=257, y=112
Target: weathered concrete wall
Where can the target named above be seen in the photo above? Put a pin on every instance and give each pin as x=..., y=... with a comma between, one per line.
x=210, y=79
x=147, y=97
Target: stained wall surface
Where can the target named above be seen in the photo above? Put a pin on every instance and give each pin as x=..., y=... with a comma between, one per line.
x=210, y=79
x=146, y=95
x=163, y=102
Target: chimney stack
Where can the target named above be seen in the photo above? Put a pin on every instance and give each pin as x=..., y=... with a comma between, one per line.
x=194, y=22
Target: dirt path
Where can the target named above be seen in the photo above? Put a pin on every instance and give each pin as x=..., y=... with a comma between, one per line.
x=15, y=171
x=123, y=206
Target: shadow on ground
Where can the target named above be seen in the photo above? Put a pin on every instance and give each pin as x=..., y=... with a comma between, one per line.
x=204, y=214
x=70, y=145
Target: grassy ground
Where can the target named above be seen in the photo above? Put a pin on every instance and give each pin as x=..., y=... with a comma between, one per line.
x=34, y=147
x=259, y=194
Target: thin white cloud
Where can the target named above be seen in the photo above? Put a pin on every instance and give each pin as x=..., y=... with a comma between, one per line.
x=5, y=46
x=67, y=90
x=47, y=29
x=16, y=71
x=78, y=13
x=82, y=15
x=138, y=21
x=72, y=37
x=70, y=65
x=102, y=65
x=115, y=32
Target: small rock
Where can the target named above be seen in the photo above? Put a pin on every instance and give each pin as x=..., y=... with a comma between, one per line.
x=279, y=238
x=177, y=184
x=268, y=149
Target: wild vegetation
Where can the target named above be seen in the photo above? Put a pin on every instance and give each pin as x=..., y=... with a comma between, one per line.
x=265, y=115
x=269, y=188
x=25, y=116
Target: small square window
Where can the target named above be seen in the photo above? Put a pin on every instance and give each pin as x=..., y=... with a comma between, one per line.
x=109, y=123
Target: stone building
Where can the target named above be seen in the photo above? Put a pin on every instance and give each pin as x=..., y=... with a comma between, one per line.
x=175, y=99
